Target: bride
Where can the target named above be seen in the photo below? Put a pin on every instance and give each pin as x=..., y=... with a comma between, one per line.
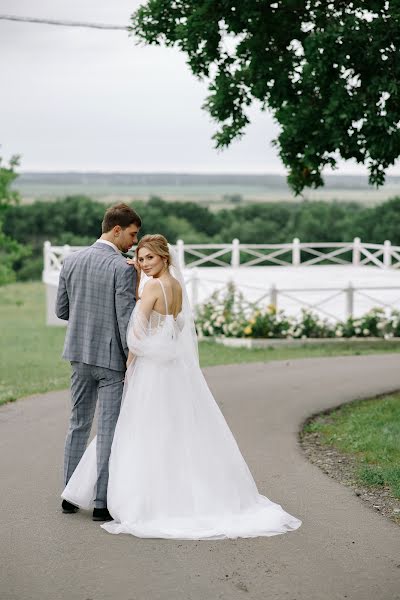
x=175, y=470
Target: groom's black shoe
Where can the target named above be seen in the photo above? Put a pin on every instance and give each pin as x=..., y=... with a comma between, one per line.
x=101, y=514
x=68, y=508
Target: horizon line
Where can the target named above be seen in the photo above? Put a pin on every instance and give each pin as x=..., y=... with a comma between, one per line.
x=176, y=172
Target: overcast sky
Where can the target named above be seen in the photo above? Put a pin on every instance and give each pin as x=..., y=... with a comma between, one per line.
x=92, y=100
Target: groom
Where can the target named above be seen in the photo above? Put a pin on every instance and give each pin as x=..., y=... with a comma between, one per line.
x=96, y=295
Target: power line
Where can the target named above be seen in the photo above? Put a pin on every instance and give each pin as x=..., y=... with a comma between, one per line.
x=62, y=23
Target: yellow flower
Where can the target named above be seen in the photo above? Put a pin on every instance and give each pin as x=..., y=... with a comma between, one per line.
x=247, y=330
x=252, y=321
x=272, y=308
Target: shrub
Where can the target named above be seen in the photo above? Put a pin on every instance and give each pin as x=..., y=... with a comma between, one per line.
x=223, y=314
x=226, y=314
x=268, y=322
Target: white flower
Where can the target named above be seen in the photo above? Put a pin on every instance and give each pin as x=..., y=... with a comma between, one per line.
x=357, y=330
x=366, y=331
x=339, y=333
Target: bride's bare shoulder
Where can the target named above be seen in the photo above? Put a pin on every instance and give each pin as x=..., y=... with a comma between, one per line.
x=150, y=288
x=176, y=285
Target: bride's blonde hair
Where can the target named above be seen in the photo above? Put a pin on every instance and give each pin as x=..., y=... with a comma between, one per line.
x=157, y=243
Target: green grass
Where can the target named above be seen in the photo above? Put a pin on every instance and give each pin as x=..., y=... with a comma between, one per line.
x=216, y=354
x=30, y=351
x=370, y=431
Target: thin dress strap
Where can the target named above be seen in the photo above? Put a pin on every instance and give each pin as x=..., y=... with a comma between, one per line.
x=165, y=296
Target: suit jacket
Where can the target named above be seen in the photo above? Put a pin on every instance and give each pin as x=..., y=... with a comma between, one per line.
x=96, y=295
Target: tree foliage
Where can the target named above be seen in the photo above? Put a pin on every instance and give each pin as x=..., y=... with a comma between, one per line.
x=8, y=196
x=10, y=250
x=328, y=70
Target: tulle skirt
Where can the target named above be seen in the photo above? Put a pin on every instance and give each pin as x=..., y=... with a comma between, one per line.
x=175, y=469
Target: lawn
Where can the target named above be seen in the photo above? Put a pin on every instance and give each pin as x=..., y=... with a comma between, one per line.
x=369, y=430
x=30, y=351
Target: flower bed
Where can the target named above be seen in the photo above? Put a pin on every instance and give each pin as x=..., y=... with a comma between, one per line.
x=227, y=315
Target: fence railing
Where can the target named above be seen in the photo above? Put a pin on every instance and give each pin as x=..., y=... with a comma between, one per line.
x=332, y=302
x=349, y=300
x=238, y=255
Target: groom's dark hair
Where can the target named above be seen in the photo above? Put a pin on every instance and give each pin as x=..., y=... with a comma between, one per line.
x=122, y=215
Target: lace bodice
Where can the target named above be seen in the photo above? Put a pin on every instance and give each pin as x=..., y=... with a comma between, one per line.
x=157, y=321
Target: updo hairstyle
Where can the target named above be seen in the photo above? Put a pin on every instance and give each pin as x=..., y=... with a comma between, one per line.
x=157, y=244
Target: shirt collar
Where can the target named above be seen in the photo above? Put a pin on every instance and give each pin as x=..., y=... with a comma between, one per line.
x=110, y=244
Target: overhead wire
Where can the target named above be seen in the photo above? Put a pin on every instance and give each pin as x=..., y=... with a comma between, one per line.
x=63, y=23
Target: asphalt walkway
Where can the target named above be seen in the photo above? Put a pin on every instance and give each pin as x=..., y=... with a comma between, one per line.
x=344, y=549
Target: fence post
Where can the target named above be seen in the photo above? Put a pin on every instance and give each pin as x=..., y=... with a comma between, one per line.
x=46, y=256
x=66, y=251
x=235, y=258
x=349, y=300
x=195, y=287
x=356, y=251
x=387, y=253
x=273, y=295
x=180, y=248
x=296, y=252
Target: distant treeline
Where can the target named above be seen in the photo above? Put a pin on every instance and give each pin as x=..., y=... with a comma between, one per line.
x=269, y=181
x=76, y=220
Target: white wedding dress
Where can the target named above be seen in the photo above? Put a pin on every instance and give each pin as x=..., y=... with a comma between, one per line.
x=175, y=469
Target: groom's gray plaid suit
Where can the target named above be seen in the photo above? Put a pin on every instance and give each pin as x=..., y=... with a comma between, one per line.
x=96, y=294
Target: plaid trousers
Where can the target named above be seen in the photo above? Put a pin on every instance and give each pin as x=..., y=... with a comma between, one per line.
x=89, y=385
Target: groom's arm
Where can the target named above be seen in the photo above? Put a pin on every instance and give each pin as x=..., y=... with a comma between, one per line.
x=62, y=304
x=125, y=299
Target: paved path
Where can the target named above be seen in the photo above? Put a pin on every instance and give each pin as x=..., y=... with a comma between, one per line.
x=343, y=549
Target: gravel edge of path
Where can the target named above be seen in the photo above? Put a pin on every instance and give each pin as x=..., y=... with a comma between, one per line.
x=342, y=467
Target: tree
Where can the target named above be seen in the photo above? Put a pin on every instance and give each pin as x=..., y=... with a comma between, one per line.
x=8, y=197
x=328, y=70
x=10, y=250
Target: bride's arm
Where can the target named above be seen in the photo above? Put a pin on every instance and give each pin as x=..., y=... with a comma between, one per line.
x=149, y=297
x=132, y=261
x=129, y=359
x=141, y=318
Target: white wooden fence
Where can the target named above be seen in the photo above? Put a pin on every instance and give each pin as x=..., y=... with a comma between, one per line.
x=350, y=300
x=295, y=253
x=199, y=260
x=237, y=255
